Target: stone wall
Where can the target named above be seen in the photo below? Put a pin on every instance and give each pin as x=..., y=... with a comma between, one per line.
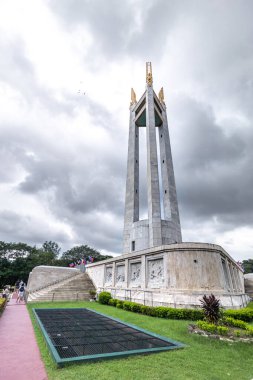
x=176, y=274
x=42, y=276
x=248, y=280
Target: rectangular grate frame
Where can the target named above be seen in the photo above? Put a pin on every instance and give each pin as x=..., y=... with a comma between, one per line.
x=80, y=334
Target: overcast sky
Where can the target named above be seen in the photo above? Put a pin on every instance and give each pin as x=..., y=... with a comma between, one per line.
x=66, y=70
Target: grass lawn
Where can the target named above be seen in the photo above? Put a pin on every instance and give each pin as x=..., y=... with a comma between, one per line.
x=202, y=359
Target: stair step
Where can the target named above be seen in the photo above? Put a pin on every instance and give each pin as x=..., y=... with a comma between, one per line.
x=71, y=289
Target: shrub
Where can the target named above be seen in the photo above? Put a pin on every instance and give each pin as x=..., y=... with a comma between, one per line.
x=249, y=330
x=2, y=304
x=127, y=305
x=235, y=323
x=158, y=311
x=161, y=311
x=222, y=330
x=119, y=304
x=245, y=315
x=150, y=310
x=210, y=327
x=136, y=307
x=175, y=313
x=144, y=309
x=112, y=302
x=237, y=333
x=211, y=308
x=92, y=293
x=104, y=298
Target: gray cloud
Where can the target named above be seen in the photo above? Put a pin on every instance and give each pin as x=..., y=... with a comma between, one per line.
x=204, y=49
x=213, y=170
x=15, y=227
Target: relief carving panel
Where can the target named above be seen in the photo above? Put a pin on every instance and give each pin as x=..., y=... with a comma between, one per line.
x=120, y=274
x=155, y=272
x=108, y=275
x=135, y=274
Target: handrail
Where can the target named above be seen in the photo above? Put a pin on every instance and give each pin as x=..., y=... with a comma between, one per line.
x=54, y=282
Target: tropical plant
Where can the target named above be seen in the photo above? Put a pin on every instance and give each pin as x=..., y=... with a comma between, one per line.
x=211, y=308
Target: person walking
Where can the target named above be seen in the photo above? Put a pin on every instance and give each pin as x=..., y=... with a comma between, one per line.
x=17, y=286
x=21, y=292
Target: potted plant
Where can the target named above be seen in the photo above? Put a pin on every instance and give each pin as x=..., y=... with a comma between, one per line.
x=92, y=295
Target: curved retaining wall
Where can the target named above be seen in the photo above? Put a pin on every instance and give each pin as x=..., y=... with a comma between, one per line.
x=176, y=274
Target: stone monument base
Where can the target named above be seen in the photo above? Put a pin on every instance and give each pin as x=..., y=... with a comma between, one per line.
x=176, y=275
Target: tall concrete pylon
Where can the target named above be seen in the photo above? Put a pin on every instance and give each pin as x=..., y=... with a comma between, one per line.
x=150, y=112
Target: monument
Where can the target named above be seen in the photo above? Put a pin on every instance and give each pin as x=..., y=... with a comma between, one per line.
x=156, y=268
x=150, y=113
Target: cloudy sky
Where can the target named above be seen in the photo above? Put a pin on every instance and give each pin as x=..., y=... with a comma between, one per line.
x=66, y=70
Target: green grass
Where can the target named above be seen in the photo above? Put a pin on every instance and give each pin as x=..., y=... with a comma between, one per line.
x=202, y=359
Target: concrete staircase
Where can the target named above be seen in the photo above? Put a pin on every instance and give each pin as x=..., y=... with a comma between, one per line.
x=71, y=289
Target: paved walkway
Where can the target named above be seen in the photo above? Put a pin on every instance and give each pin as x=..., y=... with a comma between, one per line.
x=19, y=352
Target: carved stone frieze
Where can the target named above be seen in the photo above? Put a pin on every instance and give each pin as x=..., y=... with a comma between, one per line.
x=155, y=272
x=108, y=275
x=135, y=274
x=120, y=274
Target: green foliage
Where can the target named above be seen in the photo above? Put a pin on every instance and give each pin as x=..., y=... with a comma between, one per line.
x=104, y=298
x=248, y=266
x=127, y=305
x=51, y=247
x=2, y=304
x=212, y=328
x=235, y=323
x=119, y=304
x=161, y=311
x=136, y=307
x=18, y=259
x=209, y=327
x=113, y=302
x=12, y=251
x=92, y=293
x=245, y=314
x=211, y=308
x=82, y=251
x=209, y=359
x=158, y=311
x=249, y=330
x=222, y=330
x=188, y=314
x=237, y=333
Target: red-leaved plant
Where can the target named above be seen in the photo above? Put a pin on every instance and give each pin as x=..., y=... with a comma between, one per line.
x=211, y=308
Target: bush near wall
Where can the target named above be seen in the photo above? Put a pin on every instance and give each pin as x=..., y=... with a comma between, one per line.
x=157, y=311
x=245, y=315
x=2, y=304
x=104, y=298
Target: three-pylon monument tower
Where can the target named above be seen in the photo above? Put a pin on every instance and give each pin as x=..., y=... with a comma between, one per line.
x=150, y=112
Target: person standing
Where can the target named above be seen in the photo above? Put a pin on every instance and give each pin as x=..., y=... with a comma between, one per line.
x=21, y=292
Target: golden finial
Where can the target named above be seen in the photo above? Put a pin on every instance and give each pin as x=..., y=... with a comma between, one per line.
x=133, y=97
x=161, y=95
x=149, y=78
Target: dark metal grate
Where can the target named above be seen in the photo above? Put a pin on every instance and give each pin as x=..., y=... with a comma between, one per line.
x=81, y=332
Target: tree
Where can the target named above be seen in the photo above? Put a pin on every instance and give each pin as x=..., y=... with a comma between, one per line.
x=51, y=247
x=17, y=260
x=248, y=266
x=81, y=252
x=12, y=251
